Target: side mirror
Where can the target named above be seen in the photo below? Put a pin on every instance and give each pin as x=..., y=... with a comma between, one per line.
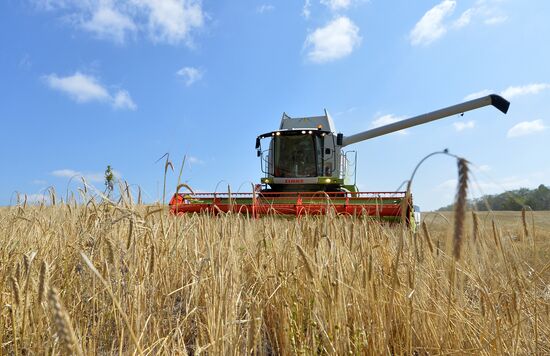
x=257, y=143
x=258, y=153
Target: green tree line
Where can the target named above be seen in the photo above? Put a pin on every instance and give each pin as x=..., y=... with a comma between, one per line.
x=536, y=199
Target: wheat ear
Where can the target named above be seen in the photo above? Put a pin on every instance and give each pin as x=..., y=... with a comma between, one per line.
x=62, y=323
x=16, y=291
x=42, y=282
x=524, y=222
x=460, y=206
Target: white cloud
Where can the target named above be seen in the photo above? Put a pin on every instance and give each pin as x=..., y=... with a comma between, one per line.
x=122, y=100
x=512, y=91
x=496, y=20
x=94, y=177
x=107, y=22
x=84, y=88
x=461, y=125
x=491, y=12
x=526, y=128
x=534, y=88
x=335, y=5
x=431, y=26
x=66, y=173
x=388, y=119
x=168, y=21
x=464, y=19
x=171, y=21
x=190, y=75
x=194, y=160
x=436, y=22
x=306, y=10
x=484, y=168
x=478, y=94
x=80, y=87
x=265, y=8
x=336, y=40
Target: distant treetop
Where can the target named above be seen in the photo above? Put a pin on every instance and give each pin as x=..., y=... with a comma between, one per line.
x=536, y=199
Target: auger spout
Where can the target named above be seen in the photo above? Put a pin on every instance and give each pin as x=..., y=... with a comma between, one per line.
x=495, y=100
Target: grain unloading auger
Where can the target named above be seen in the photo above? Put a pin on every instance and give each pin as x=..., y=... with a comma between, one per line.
x=307, y=171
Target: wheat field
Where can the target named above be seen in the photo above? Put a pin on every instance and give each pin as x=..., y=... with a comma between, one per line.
x=107, y=279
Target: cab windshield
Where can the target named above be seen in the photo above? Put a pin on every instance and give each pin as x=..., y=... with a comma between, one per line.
x=297, y=155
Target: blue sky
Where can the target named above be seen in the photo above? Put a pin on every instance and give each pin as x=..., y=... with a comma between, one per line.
x=91, y=83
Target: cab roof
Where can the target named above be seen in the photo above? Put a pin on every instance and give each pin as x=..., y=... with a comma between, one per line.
x=308, y=123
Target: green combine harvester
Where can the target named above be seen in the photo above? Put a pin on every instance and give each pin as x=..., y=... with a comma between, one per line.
x=307, y=172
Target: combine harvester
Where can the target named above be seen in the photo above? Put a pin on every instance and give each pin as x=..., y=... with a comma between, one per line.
x=307, y=171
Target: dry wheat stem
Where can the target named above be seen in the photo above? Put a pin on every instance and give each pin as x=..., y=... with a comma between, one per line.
x=460, y=207
x=42, y=282
x=65, y=331
x=114, y=299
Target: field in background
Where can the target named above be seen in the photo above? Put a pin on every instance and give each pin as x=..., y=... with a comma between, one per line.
x=124, y=279
x=509, y=221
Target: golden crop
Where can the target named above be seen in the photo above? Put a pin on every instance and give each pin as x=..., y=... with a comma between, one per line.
x=125, y=279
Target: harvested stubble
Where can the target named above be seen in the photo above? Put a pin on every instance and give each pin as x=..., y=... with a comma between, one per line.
x=158, y=284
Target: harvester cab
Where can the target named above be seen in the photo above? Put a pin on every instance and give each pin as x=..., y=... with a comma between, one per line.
x=304, y=155
x=306, y=171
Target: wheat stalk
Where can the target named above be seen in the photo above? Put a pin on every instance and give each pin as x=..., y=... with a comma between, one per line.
x=495, y=234
x=166, y=165
x=15, y=291
x=524, y=222
x=305, y=259
x=460, y=207
x=14, y=327
x=65, y=331
x=152, y=258
x=129, y=238
x=110, y=251
x=28, y=259
x=427, y=236
x=475, y=220
x=115, y=301
x=26, y=264
x=42, y=282
x=18, y=273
